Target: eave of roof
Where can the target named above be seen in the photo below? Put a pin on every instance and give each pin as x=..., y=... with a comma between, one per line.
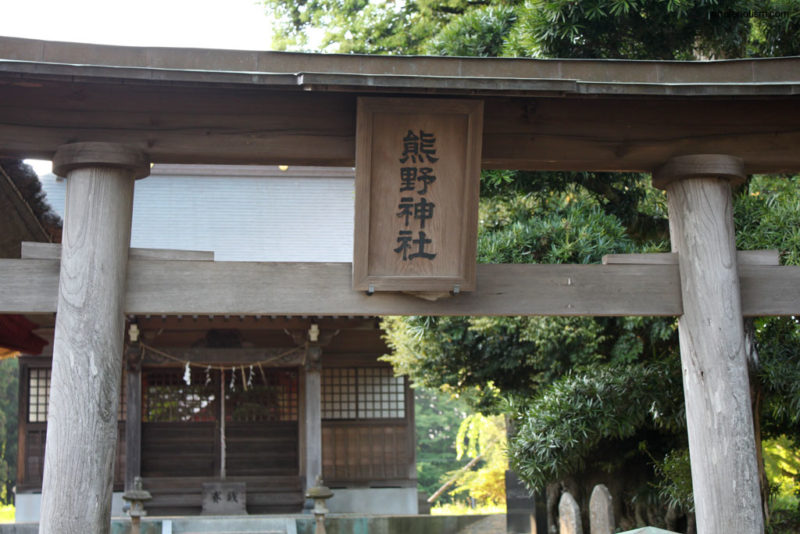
x=26, y=58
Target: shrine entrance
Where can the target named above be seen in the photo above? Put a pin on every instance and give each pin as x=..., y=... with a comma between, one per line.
x=698, y=127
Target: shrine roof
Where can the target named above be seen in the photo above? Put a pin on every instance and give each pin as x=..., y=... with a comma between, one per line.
x=26, y=59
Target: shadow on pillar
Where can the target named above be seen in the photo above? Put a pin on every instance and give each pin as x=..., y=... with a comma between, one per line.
x=525, y=513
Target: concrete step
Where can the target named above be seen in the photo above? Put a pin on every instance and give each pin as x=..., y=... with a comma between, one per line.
x=231, y=525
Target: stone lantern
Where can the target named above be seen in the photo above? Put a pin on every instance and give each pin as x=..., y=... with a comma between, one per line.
x=136, y=498
x=319, y=494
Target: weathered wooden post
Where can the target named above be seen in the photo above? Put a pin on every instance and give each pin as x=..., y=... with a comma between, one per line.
x=133, y=416
x=87, y=351
x=313, y=415
x=718, y=413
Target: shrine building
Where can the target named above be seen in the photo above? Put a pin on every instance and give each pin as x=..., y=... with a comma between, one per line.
x=189, y=368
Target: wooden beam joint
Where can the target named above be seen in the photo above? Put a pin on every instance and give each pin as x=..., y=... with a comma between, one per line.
x=721, y=166
x=96, y=154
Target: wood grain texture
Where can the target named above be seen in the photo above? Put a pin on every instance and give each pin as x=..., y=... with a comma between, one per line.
x=324, y=289
x=743, y=257
x=363, y=453
x=722, y=445
x=87, y=353
x=266, y=357
x=52, y=251
x=181, y=124
x=235, y=125
x=455, y=126
x=573, y=134
x=700, y=166
x=95, y=154
x=240, y=288
x=312, y=420
x=133, y=426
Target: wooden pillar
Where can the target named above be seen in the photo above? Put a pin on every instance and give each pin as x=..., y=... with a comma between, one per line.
x=133, y=415
x=715, y=378
x=87, y=350
x=312, y=416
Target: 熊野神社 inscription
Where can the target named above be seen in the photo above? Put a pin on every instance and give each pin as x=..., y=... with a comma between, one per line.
x=417, y=177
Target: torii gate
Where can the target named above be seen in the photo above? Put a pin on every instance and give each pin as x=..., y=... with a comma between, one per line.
x=104, y=113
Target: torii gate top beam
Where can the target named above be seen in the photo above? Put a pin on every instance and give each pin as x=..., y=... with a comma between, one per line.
x=215, y=106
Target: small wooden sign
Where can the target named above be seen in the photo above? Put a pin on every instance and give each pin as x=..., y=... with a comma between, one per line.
x=417, y=184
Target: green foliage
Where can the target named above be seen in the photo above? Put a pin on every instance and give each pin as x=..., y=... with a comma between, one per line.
x=560, y=228
x=675, y=479
x=479, y=32
x=632, y=29
x=485, y=438
x=784, y=522
x=361, y=26
x=629, y=197
x=9, y=387
x=7, y=513
x=767, y=216
x=776, y=29
x=624, y=29
x=560, y=429
x=782, y=463
x=478, y=357
x=437, y=419
x=779, y=372
x=464, y=508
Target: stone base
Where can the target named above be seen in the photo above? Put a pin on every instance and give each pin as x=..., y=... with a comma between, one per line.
x=377, y=501
x=224, y=498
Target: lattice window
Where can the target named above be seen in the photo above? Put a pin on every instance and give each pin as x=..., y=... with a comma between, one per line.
x=250, y=395
x=38, y=394
x=380, y=394
x=339, y=393
x=168, y=399
x=271, y=395
x=363, y=393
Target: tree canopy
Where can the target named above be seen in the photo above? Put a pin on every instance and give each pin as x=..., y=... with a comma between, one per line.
x=629, y=29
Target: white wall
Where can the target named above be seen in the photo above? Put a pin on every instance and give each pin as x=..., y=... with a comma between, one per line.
x=241, y=213
x=27, y=506
x=377, y=501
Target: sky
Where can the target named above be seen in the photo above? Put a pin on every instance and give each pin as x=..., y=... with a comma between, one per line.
x=229, y=24
x=225, y=24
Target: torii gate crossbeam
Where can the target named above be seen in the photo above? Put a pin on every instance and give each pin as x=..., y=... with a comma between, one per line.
x=188, y=106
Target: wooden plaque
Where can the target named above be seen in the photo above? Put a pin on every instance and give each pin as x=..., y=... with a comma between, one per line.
x=417, y=184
